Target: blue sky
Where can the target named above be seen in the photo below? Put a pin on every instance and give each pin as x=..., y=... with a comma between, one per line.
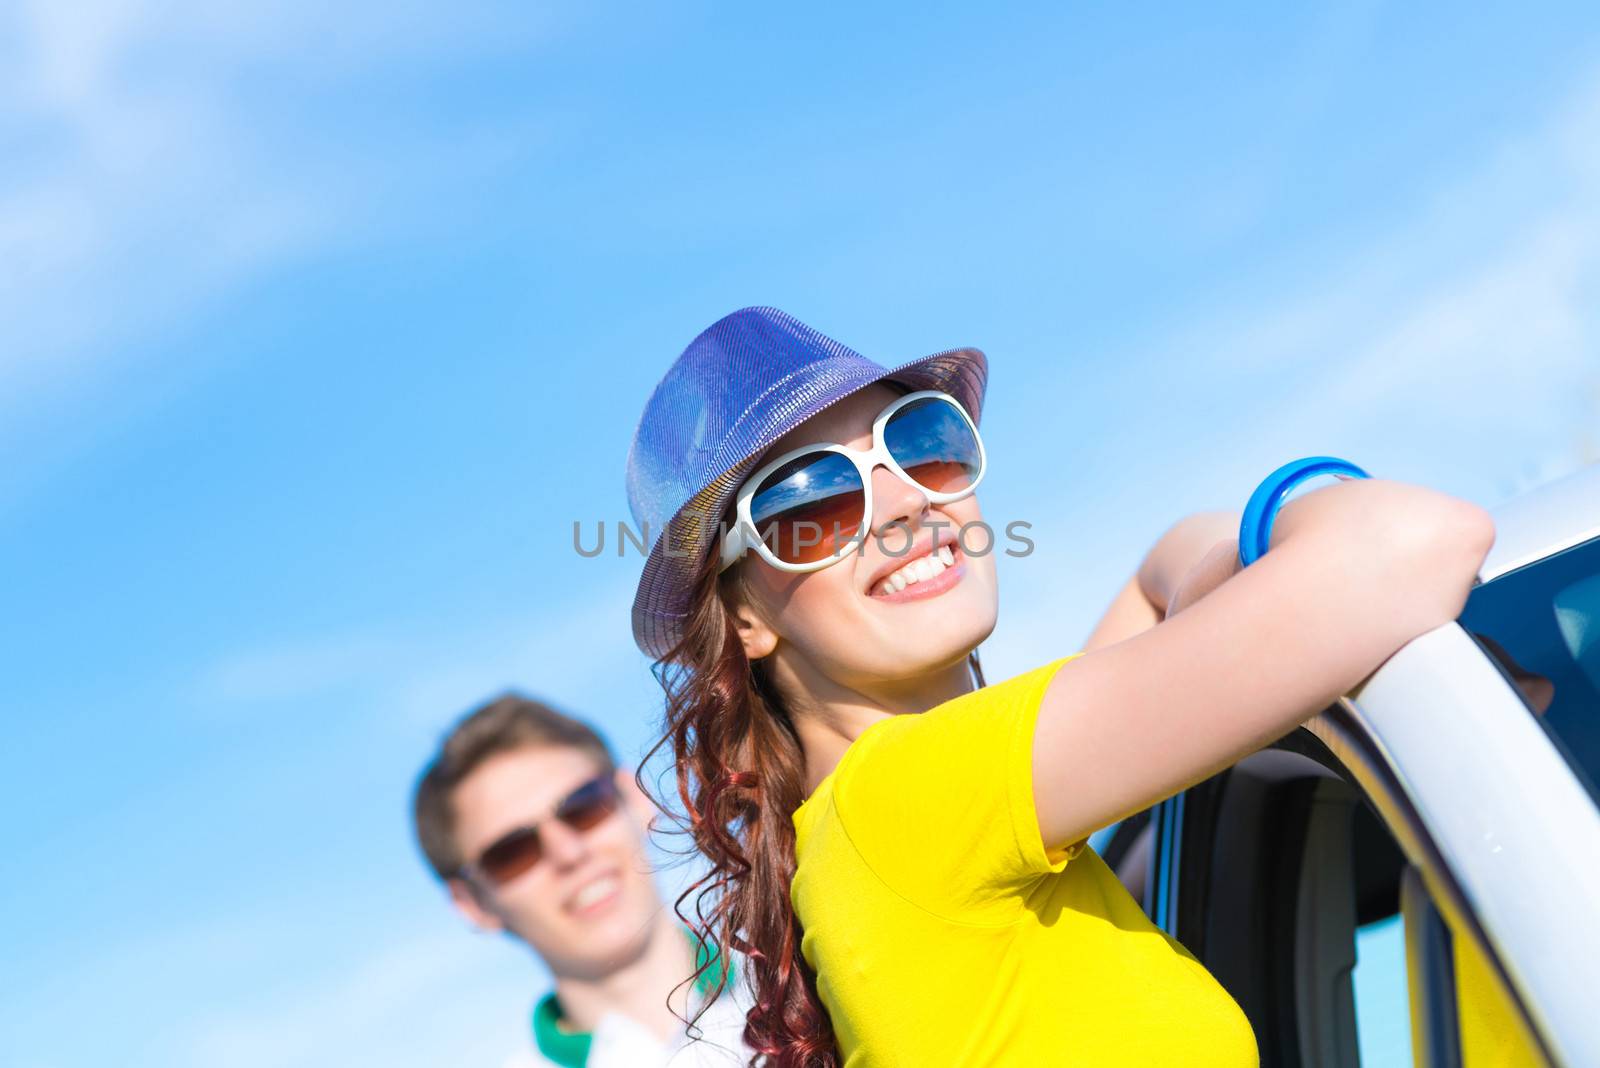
x=321, y=324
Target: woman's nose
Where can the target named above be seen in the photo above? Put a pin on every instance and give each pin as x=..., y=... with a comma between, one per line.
x=894, y=500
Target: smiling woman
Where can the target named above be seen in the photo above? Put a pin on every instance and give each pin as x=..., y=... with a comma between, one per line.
x=897, y=848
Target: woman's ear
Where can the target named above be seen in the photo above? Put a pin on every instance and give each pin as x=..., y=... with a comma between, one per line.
x=758, y=639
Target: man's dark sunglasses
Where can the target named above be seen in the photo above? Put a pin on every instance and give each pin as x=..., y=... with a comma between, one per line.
x=517, y=851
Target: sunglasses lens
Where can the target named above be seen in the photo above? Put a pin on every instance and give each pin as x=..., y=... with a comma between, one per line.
x=810, y=508
x=589, y=805
x=583, y=809
x=934, y=445
x=511, y=856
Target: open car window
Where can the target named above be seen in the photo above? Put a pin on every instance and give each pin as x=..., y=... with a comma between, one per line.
x=1284, y=880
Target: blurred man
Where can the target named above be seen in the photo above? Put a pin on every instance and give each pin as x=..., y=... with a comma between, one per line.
x=525, y=816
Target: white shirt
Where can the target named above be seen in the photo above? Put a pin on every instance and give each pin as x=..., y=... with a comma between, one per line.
x=622, y=1042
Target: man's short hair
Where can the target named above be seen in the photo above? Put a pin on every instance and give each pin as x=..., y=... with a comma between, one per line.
x=505, y=724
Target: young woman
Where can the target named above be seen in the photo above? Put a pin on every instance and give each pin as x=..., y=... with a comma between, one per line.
x=897, y=849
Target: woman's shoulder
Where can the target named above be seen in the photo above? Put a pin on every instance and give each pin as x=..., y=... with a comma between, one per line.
x=902, y=754
x=952, y=731
x=1018, y=690
x=938, y=805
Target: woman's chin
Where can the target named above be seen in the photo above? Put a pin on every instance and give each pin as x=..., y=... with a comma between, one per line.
x=936, y=643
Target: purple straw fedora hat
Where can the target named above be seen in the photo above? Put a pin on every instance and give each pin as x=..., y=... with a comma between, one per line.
x=750, y=378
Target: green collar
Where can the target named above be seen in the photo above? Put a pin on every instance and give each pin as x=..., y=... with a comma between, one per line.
x=570, y=1049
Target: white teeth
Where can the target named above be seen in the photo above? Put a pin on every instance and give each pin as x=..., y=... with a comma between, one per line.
x=919, y=570
x=598, y=890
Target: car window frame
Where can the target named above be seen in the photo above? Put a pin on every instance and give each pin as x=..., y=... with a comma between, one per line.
x=1184, y=833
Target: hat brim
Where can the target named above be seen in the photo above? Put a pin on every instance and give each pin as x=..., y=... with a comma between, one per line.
x=661, y=604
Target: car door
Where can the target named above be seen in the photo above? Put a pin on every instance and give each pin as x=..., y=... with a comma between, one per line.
x=1396, y=884
x=1282, y=877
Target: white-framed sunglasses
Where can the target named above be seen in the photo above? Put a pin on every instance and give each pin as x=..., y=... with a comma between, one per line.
x=804, y=510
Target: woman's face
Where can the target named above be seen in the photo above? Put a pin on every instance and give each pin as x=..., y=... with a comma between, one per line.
x=848, y=624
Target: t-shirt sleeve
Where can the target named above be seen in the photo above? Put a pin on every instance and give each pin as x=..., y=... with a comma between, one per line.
x=940, y=805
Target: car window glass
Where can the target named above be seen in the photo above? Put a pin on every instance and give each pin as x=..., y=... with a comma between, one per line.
x=1383, y=1012
x=1492, y=1032
x=1542, y=624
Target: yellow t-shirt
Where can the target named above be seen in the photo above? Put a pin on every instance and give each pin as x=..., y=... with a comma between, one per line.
x=944, y=935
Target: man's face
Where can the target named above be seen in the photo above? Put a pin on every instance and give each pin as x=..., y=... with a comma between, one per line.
x=588, y=906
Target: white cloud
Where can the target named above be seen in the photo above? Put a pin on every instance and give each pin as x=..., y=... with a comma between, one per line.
x=137, y=188
x=442, y=999
x=163, y=155
x=572, y=653
x=267, y=986
x=577, y=654
x=295, y=670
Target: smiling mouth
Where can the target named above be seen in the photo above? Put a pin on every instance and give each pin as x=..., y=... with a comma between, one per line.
x=594, y=894
x=927, y=576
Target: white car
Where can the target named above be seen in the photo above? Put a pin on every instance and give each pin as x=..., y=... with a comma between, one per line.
x=1414, y=877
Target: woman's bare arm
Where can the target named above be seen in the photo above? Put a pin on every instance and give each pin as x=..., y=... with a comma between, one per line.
x=1146, y=598
x=1355, y=572
x=1130, y=613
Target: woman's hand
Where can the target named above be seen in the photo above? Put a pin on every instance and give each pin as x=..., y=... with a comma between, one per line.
x=1148, y=596
x=1183, y=548
x=1214, y=568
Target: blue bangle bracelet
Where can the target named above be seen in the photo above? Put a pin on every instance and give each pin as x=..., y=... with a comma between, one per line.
x=1255, y=529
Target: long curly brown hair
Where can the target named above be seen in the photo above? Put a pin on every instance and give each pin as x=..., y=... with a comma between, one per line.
x=740, y=774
